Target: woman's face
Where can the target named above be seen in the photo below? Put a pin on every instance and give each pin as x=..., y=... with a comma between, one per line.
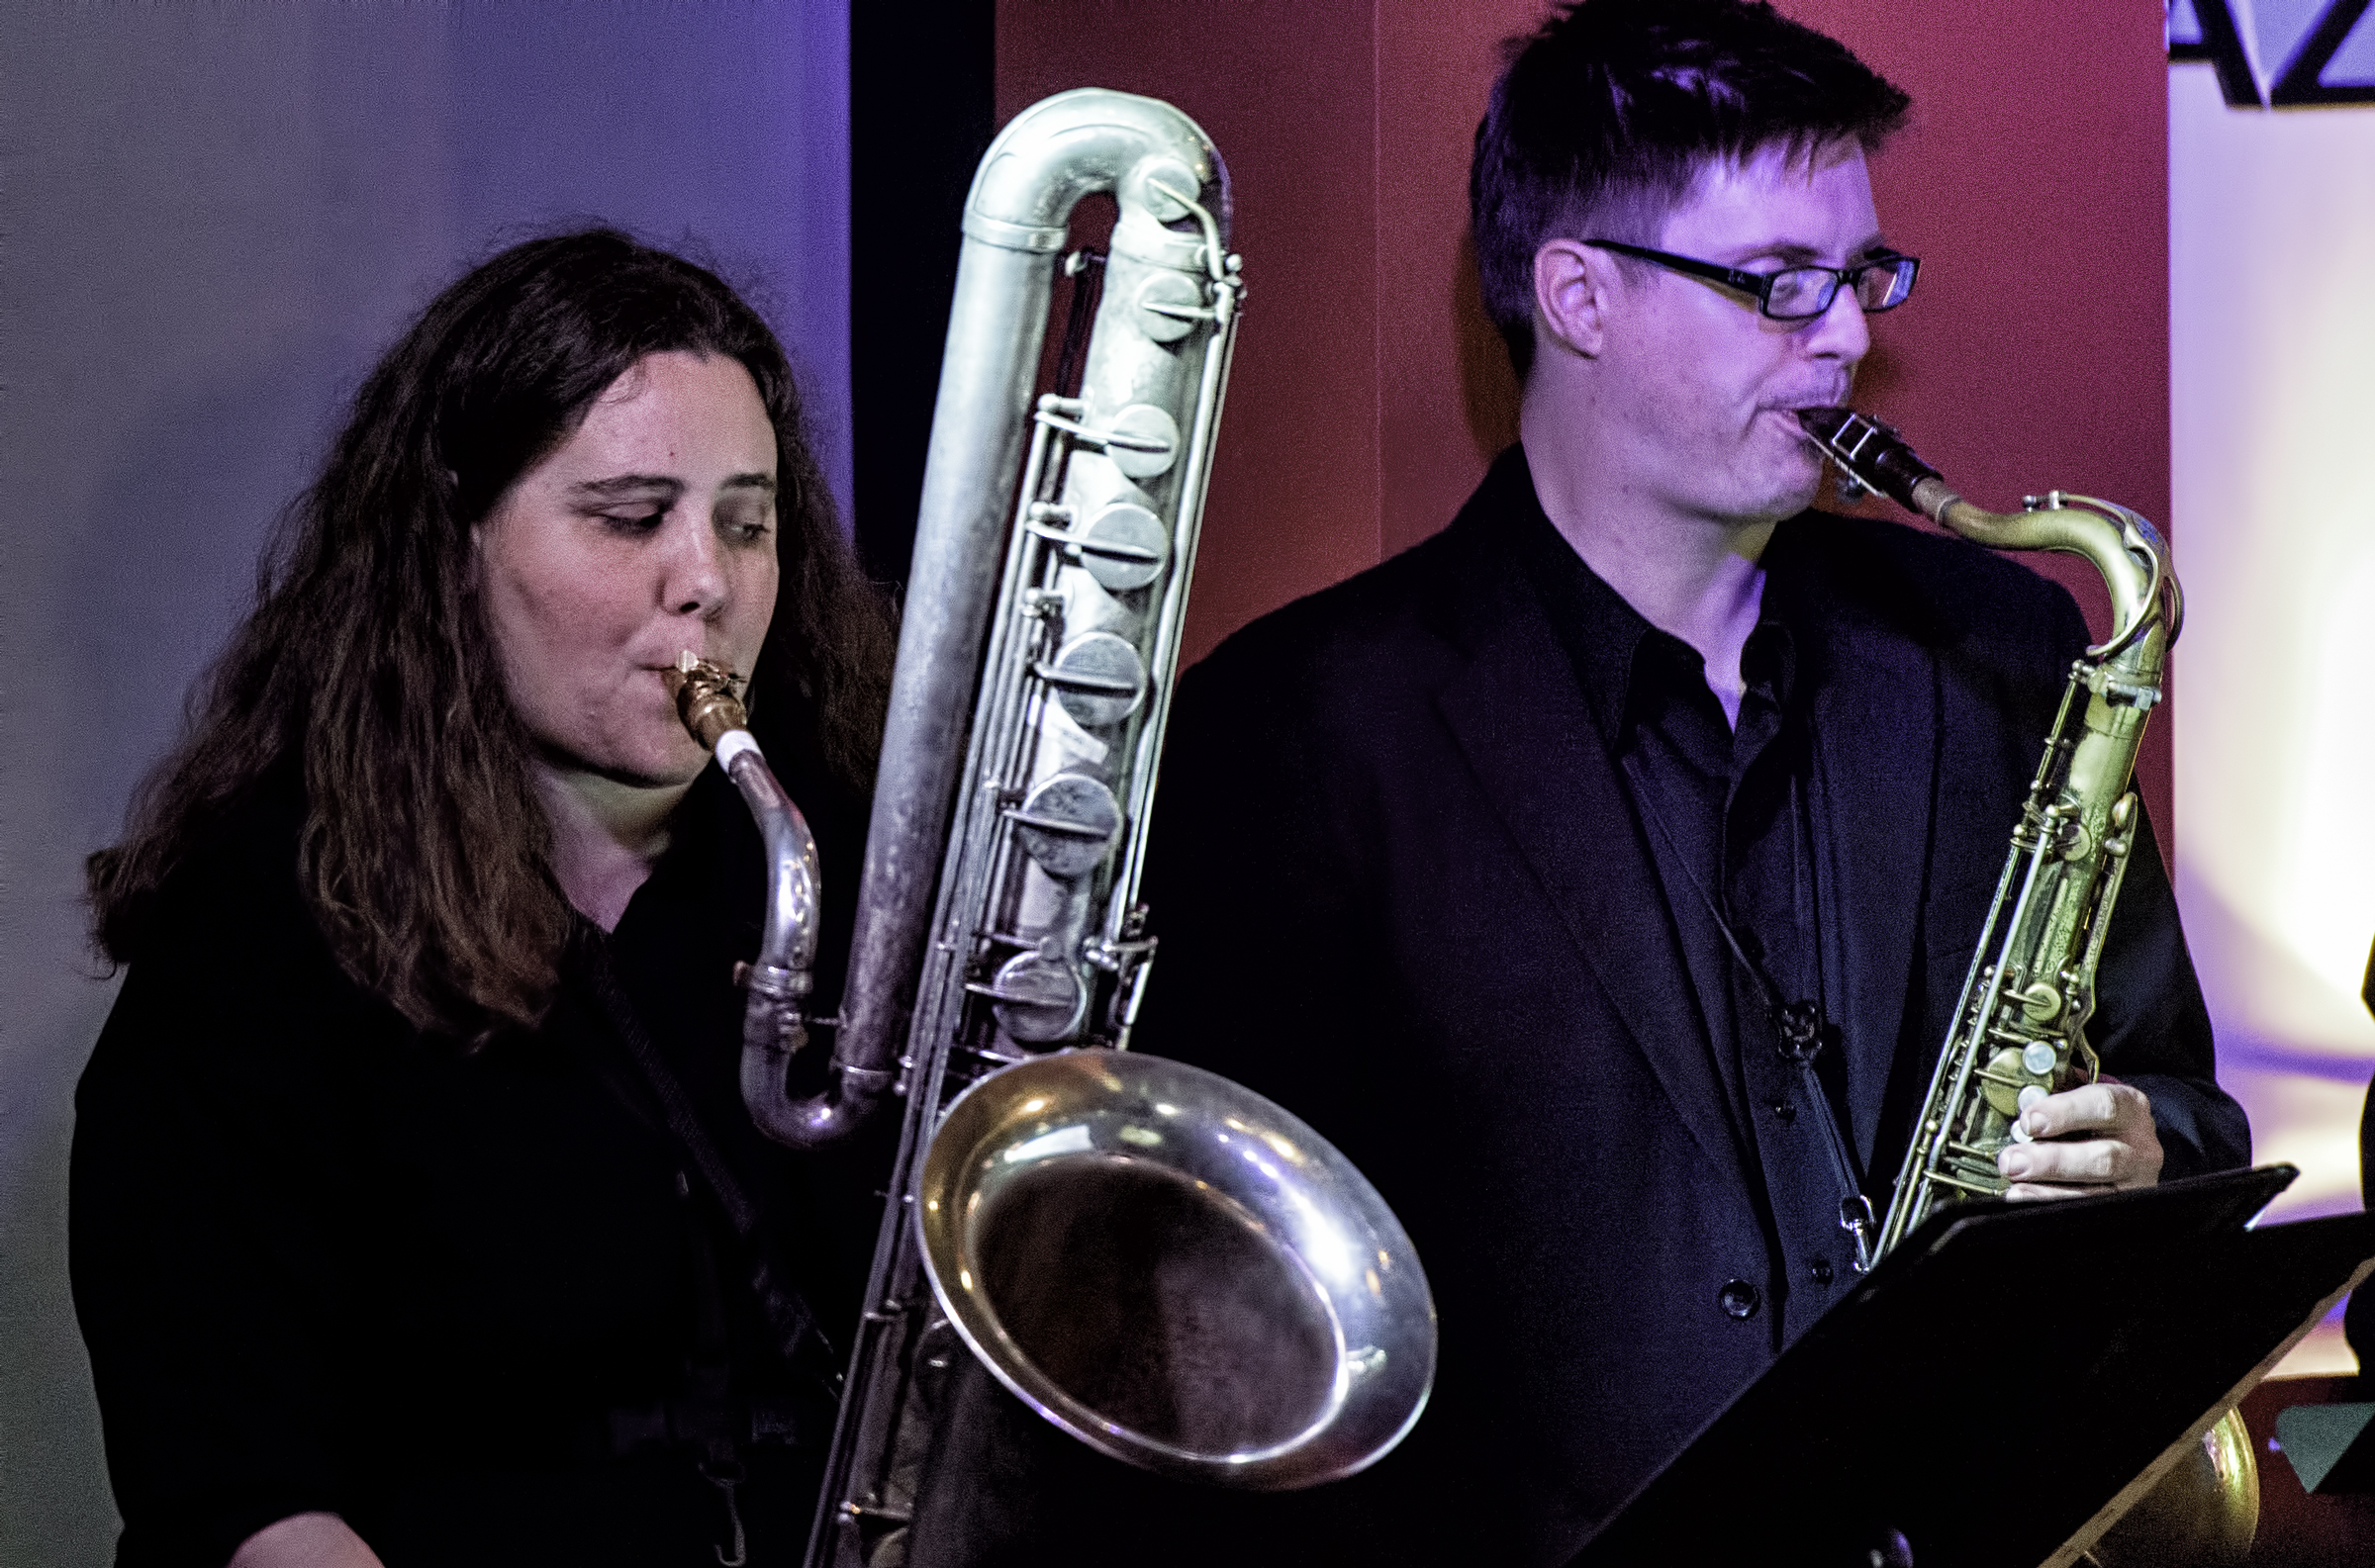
x=648, y=532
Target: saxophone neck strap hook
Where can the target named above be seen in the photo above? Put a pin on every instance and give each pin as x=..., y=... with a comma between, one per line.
x=1855, y=1218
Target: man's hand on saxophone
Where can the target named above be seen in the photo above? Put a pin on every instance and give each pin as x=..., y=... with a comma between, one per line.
x=2096, y=1138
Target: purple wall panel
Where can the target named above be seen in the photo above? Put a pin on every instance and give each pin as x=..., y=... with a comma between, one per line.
x=212, y=220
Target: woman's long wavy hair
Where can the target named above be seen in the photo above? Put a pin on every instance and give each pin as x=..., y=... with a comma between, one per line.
x=368, y=659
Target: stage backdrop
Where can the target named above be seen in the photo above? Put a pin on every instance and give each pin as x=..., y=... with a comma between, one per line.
x=2272, y=214
x=215, y=218
x=2036, y=183
x=1370, y=393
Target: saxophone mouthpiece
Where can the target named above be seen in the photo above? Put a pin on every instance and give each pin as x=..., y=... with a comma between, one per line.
x=1873, y=455
x=705, y=697
x=1823, y=423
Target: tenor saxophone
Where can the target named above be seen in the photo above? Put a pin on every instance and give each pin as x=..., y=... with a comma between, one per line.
x=2019, y=1027
x=1169, y=1267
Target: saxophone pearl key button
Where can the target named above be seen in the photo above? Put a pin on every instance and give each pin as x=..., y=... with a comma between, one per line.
x=2038, y=1057
x=1738, y=1298
x=2030, y=1096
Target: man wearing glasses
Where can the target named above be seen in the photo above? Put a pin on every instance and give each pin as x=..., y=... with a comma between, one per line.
x=1600, y=874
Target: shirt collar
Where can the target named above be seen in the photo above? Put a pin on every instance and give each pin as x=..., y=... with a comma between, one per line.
x=1613, y=647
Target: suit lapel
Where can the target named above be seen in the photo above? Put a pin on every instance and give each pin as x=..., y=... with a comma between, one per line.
x=1518, y=716
x=1875, y=719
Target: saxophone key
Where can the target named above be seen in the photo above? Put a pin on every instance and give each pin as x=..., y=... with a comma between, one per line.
x=2002, y=1080
x=2041, y=1002
x=1098, y=678
x=1066, y=825
x=1124, y=547
x=1036, y=998
x=1170, y=305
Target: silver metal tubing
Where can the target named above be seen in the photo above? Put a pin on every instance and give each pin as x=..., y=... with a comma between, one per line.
x=777, y=983
x=1042, y=164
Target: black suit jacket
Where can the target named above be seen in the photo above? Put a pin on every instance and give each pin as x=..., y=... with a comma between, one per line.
x=1400, y=887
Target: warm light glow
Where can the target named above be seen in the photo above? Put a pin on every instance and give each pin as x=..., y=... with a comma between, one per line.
x=1282, y=1148
x=1073, y=1140
x=2272, y=238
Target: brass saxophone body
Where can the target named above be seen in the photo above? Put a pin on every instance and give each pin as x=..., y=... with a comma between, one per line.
x=2019, y=1032
x=2019, y=1027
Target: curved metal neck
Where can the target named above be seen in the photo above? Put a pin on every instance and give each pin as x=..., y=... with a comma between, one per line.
x=777, y=984
x=2128, y=552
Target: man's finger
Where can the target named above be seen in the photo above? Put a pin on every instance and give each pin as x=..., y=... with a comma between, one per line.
x=2094, y=1162
x=2089, y=1108
x=2041, y=1192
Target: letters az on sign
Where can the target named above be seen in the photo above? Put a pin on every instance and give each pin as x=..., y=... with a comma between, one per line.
x=2204, y=31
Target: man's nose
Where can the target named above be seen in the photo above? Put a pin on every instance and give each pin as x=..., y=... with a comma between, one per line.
x=1841, y=333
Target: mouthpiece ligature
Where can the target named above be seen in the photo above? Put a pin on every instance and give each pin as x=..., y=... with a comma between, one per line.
x=707, y=697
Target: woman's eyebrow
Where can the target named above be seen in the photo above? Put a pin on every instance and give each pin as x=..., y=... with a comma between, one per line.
x=755, y=481
x=626, y=487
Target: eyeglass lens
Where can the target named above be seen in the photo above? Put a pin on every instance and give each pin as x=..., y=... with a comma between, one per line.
x=1807, y=291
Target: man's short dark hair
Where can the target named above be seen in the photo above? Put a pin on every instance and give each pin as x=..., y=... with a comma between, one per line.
x=1603, y=118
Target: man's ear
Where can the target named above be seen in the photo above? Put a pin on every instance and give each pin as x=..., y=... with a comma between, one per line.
x=1573, y=287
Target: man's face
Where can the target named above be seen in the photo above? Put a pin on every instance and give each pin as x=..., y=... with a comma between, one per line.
x=1700, y=383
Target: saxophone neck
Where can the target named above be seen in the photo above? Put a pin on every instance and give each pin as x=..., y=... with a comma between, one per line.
x=2125, y=549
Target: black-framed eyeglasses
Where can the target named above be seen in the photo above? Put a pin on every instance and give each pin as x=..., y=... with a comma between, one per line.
x=1794, y=294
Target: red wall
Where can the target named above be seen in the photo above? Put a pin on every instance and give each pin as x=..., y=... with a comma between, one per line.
x=2035, y=184
x=1369, y=391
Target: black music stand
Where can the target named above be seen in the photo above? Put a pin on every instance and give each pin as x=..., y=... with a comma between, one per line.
x=1984, y=1396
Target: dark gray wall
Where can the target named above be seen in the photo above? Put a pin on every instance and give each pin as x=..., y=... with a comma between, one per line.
x=211, y=218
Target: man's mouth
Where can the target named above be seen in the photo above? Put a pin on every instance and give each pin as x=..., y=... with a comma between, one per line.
x=1788, y=411
x=1790, y=406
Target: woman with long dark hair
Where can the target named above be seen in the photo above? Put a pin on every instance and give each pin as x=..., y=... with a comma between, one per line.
x=387, y=1244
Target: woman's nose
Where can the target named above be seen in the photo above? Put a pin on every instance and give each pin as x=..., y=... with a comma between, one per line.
x=697, y=583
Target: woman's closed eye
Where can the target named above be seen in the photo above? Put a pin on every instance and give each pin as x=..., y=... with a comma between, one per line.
x=633, y=521
x=745, y=527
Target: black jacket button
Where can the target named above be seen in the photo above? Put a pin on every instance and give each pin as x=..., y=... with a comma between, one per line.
x=1738, y=1298
x=1820, y=1268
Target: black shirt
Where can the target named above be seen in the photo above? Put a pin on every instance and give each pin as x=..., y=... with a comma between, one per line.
x=1724, y=811
x=324, y=1261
